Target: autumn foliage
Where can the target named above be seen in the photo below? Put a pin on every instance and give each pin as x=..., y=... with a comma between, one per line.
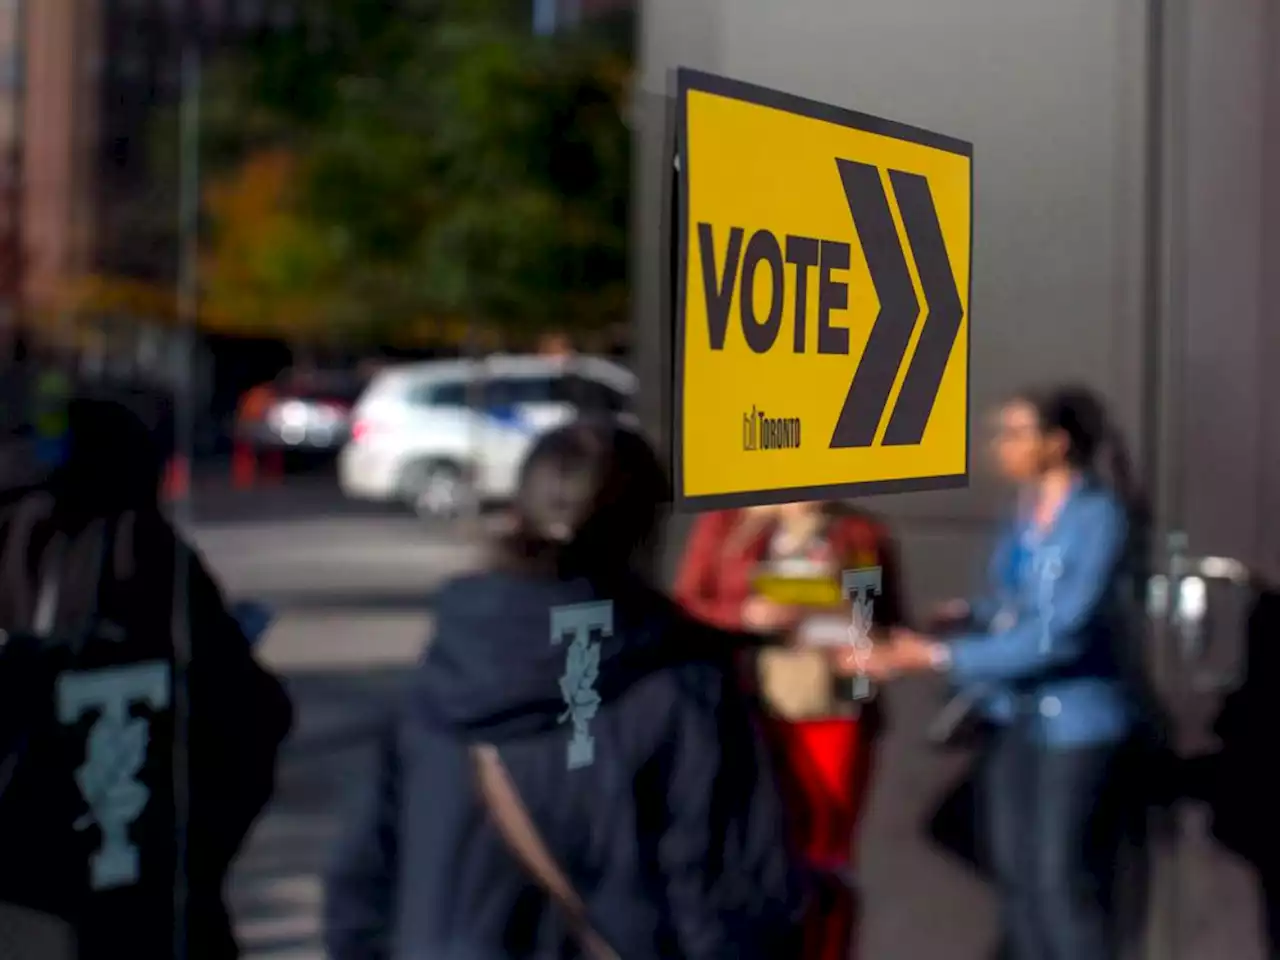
x=266, y=270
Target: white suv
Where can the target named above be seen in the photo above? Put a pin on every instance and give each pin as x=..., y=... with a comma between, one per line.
x=437, y=434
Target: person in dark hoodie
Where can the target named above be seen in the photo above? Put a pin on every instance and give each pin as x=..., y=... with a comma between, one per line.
x=126, y=592
x=576, y=773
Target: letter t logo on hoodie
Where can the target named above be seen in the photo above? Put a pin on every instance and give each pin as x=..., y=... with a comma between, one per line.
x=582, y=670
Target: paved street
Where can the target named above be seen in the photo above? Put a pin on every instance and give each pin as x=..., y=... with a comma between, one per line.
x=353, y=586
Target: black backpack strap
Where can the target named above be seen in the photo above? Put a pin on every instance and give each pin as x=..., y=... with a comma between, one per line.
x=23, y=652
x=42, y=633
x=49, y=589
x=14, y=559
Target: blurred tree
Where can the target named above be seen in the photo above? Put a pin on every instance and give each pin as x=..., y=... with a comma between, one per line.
x=267, y=270
x=533, y=156
x=453, y=163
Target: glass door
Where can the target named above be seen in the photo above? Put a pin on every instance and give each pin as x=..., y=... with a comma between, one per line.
x=1213, y=450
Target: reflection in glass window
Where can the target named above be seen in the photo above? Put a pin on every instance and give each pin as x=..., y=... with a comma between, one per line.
x=10, y=72
x=250, y=12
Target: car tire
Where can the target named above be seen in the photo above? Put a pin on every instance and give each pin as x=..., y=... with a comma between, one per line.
x=437, y=491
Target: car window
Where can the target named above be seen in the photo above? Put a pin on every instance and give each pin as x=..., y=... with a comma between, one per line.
x=616, y=401
x=443, y=394
x=512, y=391
x=591, y=395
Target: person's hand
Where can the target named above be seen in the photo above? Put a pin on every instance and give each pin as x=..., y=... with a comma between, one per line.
x=762, y=615
x=874, y=661
x=949, y=614
x=913, y=652
x=905, y=652
x=879, y=662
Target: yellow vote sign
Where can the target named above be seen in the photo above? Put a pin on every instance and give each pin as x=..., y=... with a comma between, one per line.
x=822, y=316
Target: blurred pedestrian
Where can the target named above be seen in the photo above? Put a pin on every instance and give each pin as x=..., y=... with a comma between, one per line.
x=101, y=714
x=1048, y=653
x=576, y=772
x=556, y=344
x=824, y=740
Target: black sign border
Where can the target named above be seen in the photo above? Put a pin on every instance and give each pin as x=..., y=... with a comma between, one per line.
x=686, y=80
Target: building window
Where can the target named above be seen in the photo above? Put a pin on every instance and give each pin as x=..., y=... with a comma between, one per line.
x=545, y=16
x=250, y=13
x=211, y=12
x=170, y=75
x=133, y=62
x=10, y=70
x=282, y=15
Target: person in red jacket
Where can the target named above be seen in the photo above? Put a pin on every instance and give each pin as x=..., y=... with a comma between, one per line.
x=824, y=760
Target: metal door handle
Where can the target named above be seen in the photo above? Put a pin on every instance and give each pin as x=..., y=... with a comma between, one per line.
x=1191, y=606
x=1224, y=569
x=1187, y=606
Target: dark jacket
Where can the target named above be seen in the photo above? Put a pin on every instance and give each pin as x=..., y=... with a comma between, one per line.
x=669, y=825
x=238, y=715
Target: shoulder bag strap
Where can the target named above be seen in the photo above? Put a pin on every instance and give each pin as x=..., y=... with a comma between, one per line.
x=49, y=594
x=49, y=590
x=43, y=621
x=507, y=811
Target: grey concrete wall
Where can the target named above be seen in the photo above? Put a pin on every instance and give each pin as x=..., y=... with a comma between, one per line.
x=1228, y=195
x=1219, y=201
x=1269, y=352
x=1051, y=92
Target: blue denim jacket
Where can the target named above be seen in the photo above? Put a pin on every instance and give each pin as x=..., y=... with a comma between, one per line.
x=1049, y=638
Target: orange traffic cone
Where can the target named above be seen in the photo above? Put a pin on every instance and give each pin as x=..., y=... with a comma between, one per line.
x=177, y=478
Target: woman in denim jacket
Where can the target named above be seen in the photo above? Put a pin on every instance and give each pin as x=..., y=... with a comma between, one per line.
x=1047, y=650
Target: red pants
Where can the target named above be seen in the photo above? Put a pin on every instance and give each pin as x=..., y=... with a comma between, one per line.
x=831, y=925
x=825, y=768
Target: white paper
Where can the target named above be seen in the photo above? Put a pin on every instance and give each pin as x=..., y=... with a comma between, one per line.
x=825, y=630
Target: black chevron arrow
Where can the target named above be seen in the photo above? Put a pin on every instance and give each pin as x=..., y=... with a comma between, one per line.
x=941, y=327
x=890, y=336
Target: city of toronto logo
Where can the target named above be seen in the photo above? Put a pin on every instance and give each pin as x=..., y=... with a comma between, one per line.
x=762, y=432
